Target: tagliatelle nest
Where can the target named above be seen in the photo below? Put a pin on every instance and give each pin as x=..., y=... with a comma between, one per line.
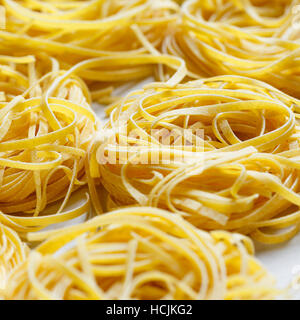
x=140, y=253
x=12, y=253
x=240, y=174
x=46, y=127
x=61, y=27
x=253, y=38
x=75, y=31
x=195, y=165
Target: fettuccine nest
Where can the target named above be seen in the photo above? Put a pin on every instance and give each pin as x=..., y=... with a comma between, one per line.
x=46, y=128
x=140, y=253
x=240, y=174
x=253, y=38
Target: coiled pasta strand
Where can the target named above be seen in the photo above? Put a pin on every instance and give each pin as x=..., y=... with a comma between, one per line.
x=253, y=38
x=140, y=253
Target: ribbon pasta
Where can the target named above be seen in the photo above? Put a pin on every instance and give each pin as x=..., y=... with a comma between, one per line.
x=12, y=253
x=241, y=172
x=197, y=166
x=117, y=32
x=140, y=253
x=253, y=38
x=45, y=132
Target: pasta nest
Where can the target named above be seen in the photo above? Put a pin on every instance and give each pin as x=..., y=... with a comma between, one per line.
x=61, y=27
x=253, y=38
x=117, y=30
x=46, y=128
x=140, y=253
x=236, y=168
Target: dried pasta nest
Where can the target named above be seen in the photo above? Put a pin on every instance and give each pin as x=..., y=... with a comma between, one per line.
x=253, y=38
x=241, y=173
x=46, y=128
x=73, y=32
x=140, y=253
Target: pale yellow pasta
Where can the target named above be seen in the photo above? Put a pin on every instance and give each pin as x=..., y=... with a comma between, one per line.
x=12, y=253
x=140, y=253
x=75, y=31
x=253, y=38
x=242, y=172
x=195, y=166
x=46, y=128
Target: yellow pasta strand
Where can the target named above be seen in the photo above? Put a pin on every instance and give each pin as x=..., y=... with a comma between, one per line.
x=119, y=33
x=253, y=38
x=12, y=253
x=140, y=253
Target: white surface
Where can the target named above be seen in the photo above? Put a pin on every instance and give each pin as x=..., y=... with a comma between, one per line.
x=283, y=261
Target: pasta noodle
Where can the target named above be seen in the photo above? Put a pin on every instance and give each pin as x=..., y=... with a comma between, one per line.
x=45, y=130
x=12, y=253
x=241, y=173
x=140, y=253
x=253, y=38
x=213, y=37
x=197, y=166
x=117, y=28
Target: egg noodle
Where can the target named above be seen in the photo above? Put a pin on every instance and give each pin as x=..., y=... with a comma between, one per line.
x=12, y=253
x=43, y=141
x=118, y=31
x=253, y=38
x=202, y=157
x=140, y=253
x=247, y=180
x=256, y=38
